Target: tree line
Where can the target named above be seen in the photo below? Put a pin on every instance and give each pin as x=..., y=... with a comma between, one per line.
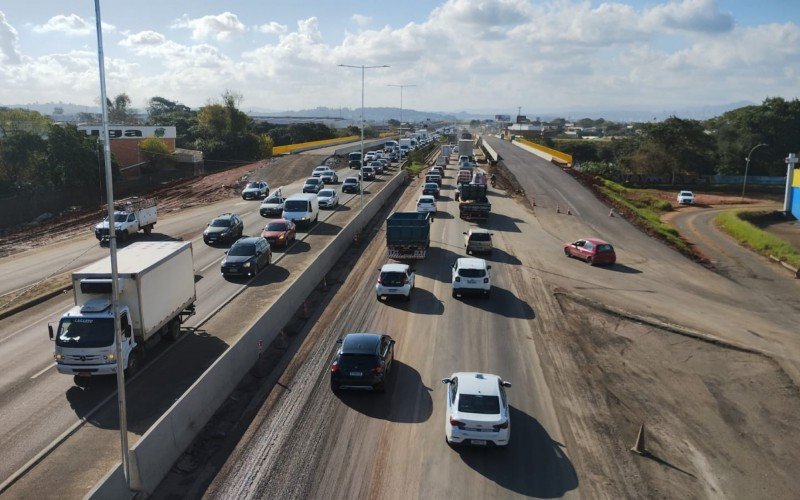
x=693, y=148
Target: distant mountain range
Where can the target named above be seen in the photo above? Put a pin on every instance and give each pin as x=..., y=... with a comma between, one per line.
x=69, y=110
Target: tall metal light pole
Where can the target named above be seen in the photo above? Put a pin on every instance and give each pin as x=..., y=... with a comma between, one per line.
x=361, y=170
x=112, y=239
x=401, y=99
x=747, y=166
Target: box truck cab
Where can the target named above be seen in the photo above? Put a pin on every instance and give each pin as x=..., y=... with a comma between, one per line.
x=302, y=209
x=156, y=295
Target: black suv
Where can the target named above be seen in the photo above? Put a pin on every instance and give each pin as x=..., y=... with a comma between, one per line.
x=225, y=227
x=246, y=257
x=363, y=361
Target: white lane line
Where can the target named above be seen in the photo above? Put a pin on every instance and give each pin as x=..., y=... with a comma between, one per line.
x=43, y=370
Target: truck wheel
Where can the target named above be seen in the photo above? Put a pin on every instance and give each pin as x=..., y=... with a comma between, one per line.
x=148, y=229
x=134, y=361
x=173, y=330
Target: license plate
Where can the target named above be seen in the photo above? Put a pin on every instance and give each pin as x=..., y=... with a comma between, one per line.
x=392, y=290
x=478, y=441
x=84, y=374
x=470, y=281
x=356, y=374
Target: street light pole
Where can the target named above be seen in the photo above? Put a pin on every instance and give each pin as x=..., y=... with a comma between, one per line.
x=747, y=166
x=112, y=243
x=361, y=170
x=401, y=99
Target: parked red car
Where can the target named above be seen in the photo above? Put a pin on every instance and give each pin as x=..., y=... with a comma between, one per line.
x=593, y=250
x=279, y=232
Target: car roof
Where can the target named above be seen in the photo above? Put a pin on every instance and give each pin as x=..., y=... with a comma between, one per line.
x=596, y=241
x=474, y=230
x=361, y=343
x=394, y=268
x=354, y=179
x=326, y=190
x=324, y=167
x=471, y=263
x=477, y=383
x=278, y=220
x=431, y=184
x=426, y=197
x=247, y=240
x=224, y=216
x=302, y=196
x=313, y=179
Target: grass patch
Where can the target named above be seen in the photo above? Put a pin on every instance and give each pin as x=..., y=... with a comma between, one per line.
x=734, y=223
x=414, y=168
x=643, y=205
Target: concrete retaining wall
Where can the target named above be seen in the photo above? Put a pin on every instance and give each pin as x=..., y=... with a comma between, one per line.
x=490, y=152
x=163, y=443
x=357, y=146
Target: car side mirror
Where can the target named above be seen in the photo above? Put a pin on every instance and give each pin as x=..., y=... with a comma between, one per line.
x=50, y=332
x=447, y=381
x=393, y=341
x=226, y=252
x=464, y=232
x=339, y=341
x=488, y=267
x=505, y=383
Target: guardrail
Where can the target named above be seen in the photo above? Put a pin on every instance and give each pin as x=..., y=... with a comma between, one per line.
x=490, y=152
x=158, y=449
x=357, y=147
x=302, y=146
x=548, y=154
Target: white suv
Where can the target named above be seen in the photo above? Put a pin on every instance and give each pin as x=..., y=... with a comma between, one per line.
x=471, y=275
x=477, y=409
x=395, y=279
x=686, y=198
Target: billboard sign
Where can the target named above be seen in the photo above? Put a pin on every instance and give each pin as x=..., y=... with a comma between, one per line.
x=502, y=118
x=130, y=132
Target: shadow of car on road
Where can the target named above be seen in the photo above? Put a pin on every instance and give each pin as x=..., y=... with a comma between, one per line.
x=501, y=302
x=502, y=222
x=422, y=302
x=622, y=268
x=500, y=256
x=296, y=247
x=437, y=264
x=533, y=465
x=406, y=400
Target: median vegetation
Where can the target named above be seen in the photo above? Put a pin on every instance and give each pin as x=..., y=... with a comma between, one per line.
x=737, y=223
x=644, y=207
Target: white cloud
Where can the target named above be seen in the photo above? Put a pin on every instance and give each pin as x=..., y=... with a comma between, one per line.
x=72, y=25
x=689, y=15
x=220, y=27
x=272, y=28
x=9, y=52
x=361, y=20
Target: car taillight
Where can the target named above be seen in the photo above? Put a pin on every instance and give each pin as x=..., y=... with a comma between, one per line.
x=504, y=425
x=378, y=369
x=485, y=280
x=335, y=367
x=456, y=423
x=380, y=281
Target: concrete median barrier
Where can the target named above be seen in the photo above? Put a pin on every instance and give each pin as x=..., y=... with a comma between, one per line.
x=162, y=444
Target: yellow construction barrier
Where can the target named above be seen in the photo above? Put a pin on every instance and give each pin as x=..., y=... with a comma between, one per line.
x=288, y=148
x=563, y=157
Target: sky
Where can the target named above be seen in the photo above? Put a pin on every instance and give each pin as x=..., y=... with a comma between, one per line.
x=489, y=55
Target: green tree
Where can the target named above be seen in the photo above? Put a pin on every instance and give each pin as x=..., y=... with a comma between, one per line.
x=18, y=120
x=162, y=111
x=120, y=111
x=677, y=146
x=22, y=157
x=393, y=123
x=72, y=158
x=265, y=146
x=157, y=153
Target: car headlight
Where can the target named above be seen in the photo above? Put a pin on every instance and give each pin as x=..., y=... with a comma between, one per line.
x=246, y=264
x=58, y=356
x=110, y=357
x=281, y=236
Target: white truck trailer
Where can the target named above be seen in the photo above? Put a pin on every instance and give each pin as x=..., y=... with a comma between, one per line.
x=156, y=295
x=465, y=148
x=130, y=216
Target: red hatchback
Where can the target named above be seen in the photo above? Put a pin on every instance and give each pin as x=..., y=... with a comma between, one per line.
x=592, y=250
x=279, y=232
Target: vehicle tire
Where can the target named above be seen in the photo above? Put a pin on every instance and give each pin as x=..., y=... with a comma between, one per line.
x=334, y=387
x=378, y=298
x=269, y=259
x=172, y=330
x=486, y=295
x=567, y=254
x=148, y=229
x=455, y=294
x=408, y=297
x=122, y=236
x=134, y=363
x=380, y=388
x=589, y=261
x=467, y=250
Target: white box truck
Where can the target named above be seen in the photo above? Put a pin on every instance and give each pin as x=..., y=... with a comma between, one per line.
x=156, y=295
x=130, y=216
x=465, y=148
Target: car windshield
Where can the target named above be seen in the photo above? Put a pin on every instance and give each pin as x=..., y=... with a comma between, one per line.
x=221, y=223
x=472, y=273
x=118, y=217
x=313, y=181
x=480, y=237
x=392, y=278
x=321, y=169
x=273, y=199
x=326, y=193
x=477, y=403
x=242, y=250
x=350, y=180
x=431, y=185
x=604, y=248
x=276, y=226
x=295, y=206
x=85, y=332
x=425, y=200
x=253, y=185
x=368, y=169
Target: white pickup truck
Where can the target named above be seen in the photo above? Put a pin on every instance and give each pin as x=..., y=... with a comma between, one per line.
x=130, y=216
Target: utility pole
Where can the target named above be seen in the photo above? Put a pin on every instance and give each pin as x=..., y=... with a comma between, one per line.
x=747, y=166
x=112, y=240
x=401, y=99
x=361, y=170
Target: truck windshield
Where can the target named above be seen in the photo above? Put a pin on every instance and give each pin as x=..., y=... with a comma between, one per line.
x=85, y=332
x=296, y=206
x=118, y=217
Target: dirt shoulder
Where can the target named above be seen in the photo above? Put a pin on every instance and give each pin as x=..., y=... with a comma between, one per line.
x=716, y=419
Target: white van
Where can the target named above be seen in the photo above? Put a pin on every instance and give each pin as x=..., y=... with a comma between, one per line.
x=302, y=209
